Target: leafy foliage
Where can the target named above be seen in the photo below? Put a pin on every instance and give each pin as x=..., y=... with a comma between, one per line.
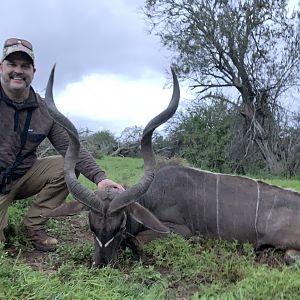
x=205, y=132
x=245, y=49
x=101, y=143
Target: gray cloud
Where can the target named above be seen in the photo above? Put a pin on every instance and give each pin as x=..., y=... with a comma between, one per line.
x=83, y=37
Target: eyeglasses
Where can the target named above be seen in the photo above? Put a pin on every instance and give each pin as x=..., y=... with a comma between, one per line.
x=14, y=41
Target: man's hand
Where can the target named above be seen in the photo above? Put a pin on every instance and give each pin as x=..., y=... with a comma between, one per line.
x=109, y=183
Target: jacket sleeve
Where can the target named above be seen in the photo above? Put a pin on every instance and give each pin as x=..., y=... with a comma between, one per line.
x=86, y=164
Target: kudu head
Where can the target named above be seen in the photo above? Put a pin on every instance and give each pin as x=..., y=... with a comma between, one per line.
x=109, y=208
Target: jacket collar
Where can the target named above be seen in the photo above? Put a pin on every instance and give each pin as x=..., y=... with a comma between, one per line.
x=30, y=102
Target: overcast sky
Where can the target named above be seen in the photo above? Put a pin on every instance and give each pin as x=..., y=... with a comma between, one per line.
x=110, y=73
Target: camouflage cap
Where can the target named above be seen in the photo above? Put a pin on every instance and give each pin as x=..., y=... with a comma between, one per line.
x=17, y=45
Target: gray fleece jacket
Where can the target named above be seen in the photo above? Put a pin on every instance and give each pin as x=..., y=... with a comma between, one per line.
x=12, y=122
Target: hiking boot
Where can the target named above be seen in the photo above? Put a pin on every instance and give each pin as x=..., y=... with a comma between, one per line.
x=41, y=240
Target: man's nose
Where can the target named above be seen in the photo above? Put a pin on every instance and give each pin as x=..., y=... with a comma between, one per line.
x=18, y=69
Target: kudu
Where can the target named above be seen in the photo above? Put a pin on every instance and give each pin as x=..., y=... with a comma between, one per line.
x=188, y=201
x=111, y=211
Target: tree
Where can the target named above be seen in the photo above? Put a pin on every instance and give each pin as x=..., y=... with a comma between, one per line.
x=249, y=48
x=101, y=142
x=290, y=150
x=205, y=133
x=129, y=141
x=45, y=149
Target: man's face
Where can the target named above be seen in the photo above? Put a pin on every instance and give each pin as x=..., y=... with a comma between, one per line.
x=17, y=74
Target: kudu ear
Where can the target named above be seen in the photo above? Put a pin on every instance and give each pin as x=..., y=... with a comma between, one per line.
x=66, y=209
x=145, y=217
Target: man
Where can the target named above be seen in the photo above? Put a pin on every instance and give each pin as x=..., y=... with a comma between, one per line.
x=24, y=124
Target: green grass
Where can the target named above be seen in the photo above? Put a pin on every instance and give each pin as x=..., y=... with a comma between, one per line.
x=172, y=268
x=180, y=270
x=285, y=183
x=18, y=281
x=126, y=171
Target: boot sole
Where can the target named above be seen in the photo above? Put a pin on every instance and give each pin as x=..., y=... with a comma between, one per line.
x=44, y=248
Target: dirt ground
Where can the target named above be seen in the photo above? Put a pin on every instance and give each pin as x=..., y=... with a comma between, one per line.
x=75, y=229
